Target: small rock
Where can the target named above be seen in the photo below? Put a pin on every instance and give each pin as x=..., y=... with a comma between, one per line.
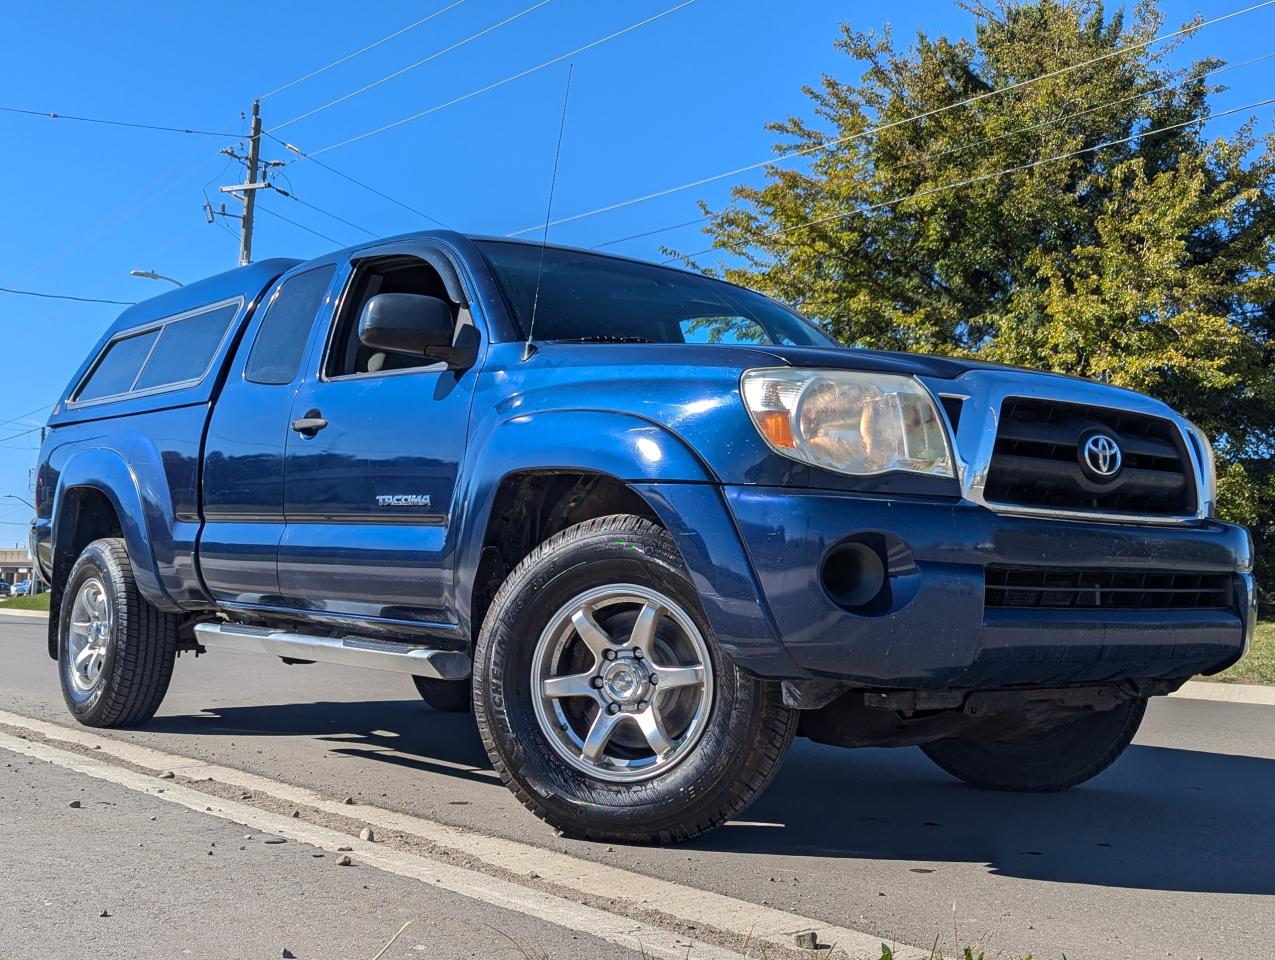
x=167, y=775
x=343, y=861
x=74, y=804
x=348, y=801
x=806, y=940
x=366, y=834
x=344, y=849
x=316, y=855
x=295, y=813
x=276, y=840
x=105, y=913
x=532, y=875
x=458, y=803
x=287, y=954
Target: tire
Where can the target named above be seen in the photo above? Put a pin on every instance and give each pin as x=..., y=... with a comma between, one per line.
x=725, y=734
x=1059, y=759
x=447, y=696
x=125, y=678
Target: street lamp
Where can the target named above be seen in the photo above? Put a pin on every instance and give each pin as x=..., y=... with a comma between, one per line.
x=152, y=275
x=12, y=496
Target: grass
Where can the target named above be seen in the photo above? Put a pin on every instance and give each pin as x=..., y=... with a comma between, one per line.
x=1259, y=665
x=40, y=602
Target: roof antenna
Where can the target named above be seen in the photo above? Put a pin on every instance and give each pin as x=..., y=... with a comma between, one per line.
x=530, y=349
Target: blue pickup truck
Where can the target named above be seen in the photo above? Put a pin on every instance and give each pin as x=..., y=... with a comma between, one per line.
x=648, y=526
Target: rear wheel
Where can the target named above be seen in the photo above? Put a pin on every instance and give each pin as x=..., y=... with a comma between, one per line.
x=448, y=696
x=115, y=650
x=1058, y=759
x=604, y=701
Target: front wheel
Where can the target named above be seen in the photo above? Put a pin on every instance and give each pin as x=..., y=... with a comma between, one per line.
x=1058, y=759
x=115, y=650
x=604, y=701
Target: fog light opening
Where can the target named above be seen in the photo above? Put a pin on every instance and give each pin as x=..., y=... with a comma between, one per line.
x=854, y=576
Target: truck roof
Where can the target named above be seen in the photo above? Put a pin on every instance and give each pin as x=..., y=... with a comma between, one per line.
x=247, y=282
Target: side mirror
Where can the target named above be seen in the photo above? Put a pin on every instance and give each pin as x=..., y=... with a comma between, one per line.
x=407, y=323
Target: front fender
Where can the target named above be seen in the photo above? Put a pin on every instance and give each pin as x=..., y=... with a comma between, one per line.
x=141, y=506
x=674, y=481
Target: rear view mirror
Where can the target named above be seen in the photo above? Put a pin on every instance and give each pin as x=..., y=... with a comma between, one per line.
x=415, y=324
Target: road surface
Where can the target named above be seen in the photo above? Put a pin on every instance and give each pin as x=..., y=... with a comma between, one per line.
x=1171, y=853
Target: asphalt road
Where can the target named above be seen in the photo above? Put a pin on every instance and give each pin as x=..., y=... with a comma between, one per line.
x=124, y=875
x=1171, y=853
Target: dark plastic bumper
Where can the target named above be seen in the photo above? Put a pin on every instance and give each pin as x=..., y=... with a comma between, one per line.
x=936, y=632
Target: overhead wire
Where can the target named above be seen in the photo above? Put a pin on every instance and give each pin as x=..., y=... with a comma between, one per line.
x=311, y=154
x=412, y=66
x=877, y=128
x=970, y=145
x=970, y=181
x=65, y=296
x=361, y=50
x=51, y=115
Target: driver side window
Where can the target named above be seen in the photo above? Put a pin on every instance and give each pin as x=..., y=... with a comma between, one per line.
x=347, y=356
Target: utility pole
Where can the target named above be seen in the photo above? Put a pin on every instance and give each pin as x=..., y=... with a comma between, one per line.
x=250, y=195
x=246, y=191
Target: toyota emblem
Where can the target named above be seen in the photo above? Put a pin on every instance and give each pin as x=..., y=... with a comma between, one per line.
x=1101, y=454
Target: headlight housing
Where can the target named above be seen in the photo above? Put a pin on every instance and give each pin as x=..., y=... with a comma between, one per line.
x=847, y=421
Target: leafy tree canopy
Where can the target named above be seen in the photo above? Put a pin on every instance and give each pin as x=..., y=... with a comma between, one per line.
x=1144, y=263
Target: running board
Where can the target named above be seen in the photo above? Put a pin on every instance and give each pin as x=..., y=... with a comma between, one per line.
x=349, y=651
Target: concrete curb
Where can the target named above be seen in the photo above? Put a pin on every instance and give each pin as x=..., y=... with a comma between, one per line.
x=1227, y=692
x=33, y=614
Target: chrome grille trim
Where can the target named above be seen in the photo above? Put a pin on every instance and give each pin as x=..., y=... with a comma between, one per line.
x=983, y=393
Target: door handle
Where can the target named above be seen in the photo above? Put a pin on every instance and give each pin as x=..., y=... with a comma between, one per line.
x=310, y=424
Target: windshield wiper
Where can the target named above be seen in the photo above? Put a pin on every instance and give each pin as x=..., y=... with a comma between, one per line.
x=603, y=338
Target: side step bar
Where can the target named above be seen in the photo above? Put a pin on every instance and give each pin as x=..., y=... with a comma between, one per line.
x=350, y=651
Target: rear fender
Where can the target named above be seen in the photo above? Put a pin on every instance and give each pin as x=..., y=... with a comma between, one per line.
x=142, y=506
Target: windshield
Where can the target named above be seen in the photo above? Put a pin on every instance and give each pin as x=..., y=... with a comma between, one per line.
x=593, y=298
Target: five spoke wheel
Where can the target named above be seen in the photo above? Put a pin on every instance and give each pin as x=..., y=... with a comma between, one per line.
x=89, y=635
x=624, y=682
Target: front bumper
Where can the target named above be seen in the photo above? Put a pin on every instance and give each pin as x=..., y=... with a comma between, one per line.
x=936, y=630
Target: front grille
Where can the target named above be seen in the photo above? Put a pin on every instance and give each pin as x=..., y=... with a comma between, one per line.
x=1072, y=589
x=1037, y=461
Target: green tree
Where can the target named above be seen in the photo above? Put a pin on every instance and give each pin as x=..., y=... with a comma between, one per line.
x=1145, y=263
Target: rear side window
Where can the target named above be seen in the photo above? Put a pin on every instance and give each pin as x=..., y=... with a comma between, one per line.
x=277, y=352
x=118, y=367
x=186, y=348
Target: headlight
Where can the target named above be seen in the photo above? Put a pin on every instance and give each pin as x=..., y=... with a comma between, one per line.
x=1208, y=482
x=850, y=422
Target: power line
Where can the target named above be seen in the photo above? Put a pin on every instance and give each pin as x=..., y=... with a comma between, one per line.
x=63, y=296
x=358, y=183
x=24, y=433
x=960, y=148
x=412, y=66
x=49, y=115
x=300, y=226
x=362, y=50
x=943, y=188
x=327, y=213
x=23, y=416
x=868, y=131
x=500, y=83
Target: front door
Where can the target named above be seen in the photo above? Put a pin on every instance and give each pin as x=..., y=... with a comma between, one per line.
x=371, y=466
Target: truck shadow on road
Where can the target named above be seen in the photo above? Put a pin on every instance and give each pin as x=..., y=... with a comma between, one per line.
x=1159, y=819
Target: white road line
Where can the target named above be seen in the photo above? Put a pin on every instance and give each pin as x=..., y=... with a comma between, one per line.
x=618, y=930
x=749, y=921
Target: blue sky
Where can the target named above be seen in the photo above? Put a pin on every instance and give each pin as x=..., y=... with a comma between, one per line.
x=683, y=97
